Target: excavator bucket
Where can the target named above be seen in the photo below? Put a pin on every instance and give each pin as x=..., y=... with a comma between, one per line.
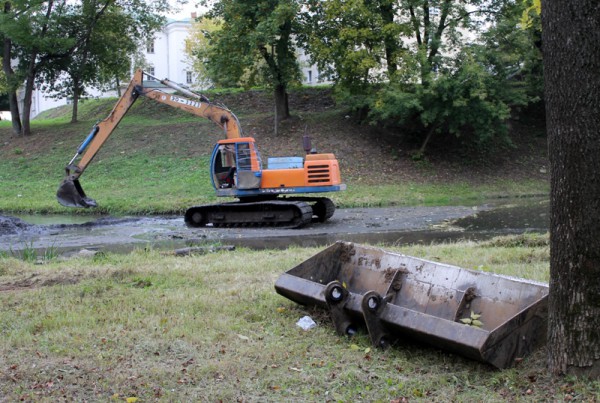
x=482, y=316
x=71, y=194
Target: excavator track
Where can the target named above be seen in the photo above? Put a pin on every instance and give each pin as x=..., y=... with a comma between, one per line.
x=323, y=208
x=274, y=213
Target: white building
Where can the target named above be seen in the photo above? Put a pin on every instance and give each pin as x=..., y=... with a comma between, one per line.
x=165, y=58
x=165, y=55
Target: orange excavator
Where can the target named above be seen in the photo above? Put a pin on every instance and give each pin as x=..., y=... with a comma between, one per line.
x=273, y=196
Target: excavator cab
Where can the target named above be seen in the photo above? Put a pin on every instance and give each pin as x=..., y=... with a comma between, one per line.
x=235, y=165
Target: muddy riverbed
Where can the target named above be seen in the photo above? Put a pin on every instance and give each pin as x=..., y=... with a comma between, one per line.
x=392, y=225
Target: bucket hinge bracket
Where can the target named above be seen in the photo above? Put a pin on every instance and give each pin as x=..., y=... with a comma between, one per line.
x=372, y=305
x=336, y=296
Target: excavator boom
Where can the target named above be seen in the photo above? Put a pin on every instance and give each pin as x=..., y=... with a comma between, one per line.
x=71, y=194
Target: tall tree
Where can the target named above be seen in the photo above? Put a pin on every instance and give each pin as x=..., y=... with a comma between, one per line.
x=256, y=44
x=34, y=32
x=420, y=66
x=13, y=81
x=571, y=46
x=198, y=48
x=107, y=34
x=47, y=36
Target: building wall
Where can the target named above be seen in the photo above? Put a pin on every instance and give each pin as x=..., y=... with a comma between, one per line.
x=169, y=58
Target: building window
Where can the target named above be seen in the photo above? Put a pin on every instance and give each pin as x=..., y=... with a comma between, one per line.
x=150, y=70
x=309, y=78
x=188, y=77
x=150, y=47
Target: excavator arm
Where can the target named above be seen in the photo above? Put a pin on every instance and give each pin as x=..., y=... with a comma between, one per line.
x=70, y=192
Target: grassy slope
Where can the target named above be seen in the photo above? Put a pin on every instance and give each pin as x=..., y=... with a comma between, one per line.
x=157, y=160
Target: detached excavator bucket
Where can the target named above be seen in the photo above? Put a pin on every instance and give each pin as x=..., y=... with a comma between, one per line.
x=71, y=194
x=486, y=317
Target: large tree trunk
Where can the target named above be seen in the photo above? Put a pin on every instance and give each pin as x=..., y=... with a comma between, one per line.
x=571, y=45
x=14, y=113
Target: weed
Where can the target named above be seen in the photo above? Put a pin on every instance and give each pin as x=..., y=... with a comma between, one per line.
x=50, y=253
x=28, y=253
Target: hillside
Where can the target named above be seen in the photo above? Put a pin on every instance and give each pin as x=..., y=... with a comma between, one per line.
x=369, y=157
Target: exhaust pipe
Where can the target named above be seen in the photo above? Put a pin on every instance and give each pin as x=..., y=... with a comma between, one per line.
x=71, y=194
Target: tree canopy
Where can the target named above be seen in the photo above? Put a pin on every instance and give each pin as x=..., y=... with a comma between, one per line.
x=423, y=66
x=198, y=48
x=255, y=45
x=47, y=38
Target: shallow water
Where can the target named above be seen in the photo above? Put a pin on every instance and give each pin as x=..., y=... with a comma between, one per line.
x=384, y=226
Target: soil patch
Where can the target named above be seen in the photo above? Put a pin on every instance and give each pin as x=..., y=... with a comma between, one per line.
x=38, y=280
x=12, y=225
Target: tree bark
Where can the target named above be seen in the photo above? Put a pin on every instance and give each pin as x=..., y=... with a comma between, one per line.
x=76, y=93
x=32, y=70
x=28, y=96
x=10, y=77
x=14, y=112
x=571, y=46
x=387, y=13
x=282, y=108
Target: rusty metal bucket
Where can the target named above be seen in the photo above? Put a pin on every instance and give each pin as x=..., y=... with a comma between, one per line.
x=71, y=194
x=483, y=316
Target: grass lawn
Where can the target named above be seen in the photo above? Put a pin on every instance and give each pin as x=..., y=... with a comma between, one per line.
x=211, y=328
x=154, y=327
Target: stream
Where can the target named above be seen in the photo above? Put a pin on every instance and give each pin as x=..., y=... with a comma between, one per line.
x=384, y=226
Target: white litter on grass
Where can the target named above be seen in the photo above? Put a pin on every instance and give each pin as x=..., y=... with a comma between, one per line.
x=306, y=323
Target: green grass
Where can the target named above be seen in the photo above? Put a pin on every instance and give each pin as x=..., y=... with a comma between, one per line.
x=212, y=328
x=434, y=194
x=157, y=162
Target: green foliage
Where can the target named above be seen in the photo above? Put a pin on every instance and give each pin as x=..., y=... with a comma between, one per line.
x=81, y=39
x=198, y=47
x=3, y=88
x=352, y=41
x=107, y=35
x=409, y=66
x=465, y=100
x=254, y=45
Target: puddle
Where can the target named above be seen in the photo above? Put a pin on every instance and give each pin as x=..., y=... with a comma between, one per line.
x=385, y=226
x=533, y=215
x=57, y=219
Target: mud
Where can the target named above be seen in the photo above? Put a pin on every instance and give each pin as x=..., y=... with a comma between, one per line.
x=394, y=225
x=12, y=226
